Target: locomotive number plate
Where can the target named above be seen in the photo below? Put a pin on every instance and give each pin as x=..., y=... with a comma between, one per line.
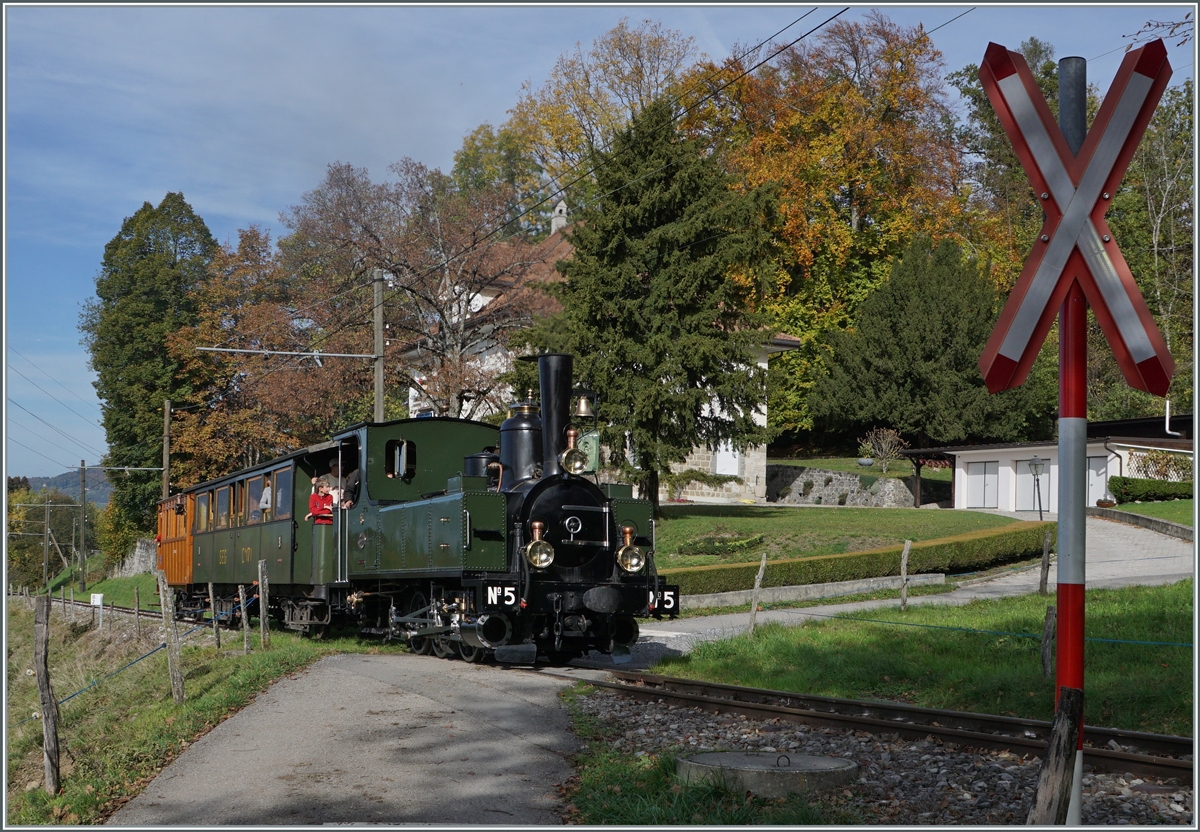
x=499, y=595
x=667, y=600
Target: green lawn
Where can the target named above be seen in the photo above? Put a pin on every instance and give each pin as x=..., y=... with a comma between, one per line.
x=1175, y=511
x=1145, y=687
x=698, y=535
x=899, y=468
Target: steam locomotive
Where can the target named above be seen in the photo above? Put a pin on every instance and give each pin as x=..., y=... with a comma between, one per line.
x=463, y=539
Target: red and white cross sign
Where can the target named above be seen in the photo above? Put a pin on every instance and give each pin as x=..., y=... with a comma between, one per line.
x=1075, y=243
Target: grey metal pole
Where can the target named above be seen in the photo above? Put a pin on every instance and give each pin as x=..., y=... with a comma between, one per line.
x=377, y=284
x=1072, y=436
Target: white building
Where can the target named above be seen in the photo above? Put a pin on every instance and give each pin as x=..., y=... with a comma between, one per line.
x=1000, y=477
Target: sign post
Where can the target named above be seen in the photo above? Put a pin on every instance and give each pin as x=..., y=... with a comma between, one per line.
x=1075, y=263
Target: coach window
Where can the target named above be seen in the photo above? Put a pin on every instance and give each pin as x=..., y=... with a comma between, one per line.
x=201, y=521
x=281, y=497
x=254, y=491
x=222, y=508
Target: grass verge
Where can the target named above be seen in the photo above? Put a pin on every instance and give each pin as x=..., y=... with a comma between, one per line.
x=689, y=534
x=952, y=664
x=1174, y=511
x=616, y=789
x=117, y=735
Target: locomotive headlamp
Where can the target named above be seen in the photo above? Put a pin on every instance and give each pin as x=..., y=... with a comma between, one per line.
x=631, y=558
x=539, y=553
x=573, y=460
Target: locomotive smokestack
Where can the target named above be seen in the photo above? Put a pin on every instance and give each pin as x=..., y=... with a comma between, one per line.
x=554, y=378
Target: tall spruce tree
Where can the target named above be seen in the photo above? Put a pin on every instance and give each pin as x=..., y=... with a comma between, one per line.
x=656, y=300
x=143, y=293
x=911, y=360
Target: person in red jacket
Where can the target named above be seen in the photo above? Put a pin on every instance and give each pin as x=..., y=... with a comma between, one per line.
x=320, y=506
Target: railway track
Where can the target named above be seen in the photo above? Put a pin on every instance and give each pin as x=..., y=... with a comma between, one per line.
x=1106, y=749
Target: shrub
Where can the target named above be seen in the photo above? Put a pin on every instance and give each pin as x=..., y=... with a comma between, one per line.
x=843, y=497
x=1129, y=489
x=962, y=552
x=808, y=484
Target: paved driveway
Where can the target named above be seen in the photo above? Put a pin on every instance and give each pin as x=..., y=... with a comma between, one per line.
x=397, y=739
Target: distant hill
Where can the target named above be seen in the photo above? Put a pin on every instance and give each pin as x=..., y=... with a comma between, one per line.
x=98, y=488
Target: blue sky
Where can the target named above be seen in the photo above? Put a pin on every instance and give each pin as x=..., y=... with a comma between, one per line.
x=242, y=107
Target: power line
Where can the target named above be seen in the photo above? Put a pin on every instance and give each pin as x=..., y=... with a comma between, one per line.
x=13, y=421
x=39, y=453
x=51, y=395
x=52, y=378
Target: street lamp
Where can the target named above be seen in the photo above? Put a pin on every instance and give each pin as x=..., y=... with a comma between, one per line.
x=1035, y=467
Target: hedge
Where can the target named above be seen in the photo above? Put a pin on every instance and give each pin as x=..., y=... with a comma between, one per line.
x=1130, y=489
x=962, y=552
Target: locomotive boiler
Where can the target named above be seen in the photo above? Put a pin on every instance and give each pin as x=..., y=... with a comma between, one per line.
x=458, y=537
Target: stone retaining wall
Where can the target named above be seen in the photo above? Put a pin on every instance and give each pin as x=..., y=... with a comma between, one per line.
x=795, y=485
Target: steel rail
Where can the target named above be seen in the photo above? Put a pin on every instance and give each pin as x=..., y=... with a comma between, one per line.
x=911, y=722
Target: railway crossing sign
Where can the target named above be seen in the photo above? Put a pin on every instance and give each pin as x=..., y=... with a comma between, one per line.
x=1075, y=244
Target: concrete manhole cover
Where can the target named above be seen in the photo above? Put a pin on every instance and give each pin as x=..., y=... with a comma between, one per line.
x=766, y=774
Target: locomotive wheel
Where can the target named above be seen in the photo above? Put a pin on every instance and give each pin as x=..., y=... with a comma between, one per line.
x=469, y=653
x=420, y=646
x=442, y=648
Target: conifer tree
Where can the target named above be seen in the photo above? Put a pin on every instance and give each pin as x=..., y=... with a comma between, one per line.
x=657, y=301
x=143, y=293
x=911, y=361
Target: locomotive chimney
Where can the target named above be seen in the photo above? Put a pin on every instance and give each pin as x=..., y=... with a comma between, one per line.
x=554, y=378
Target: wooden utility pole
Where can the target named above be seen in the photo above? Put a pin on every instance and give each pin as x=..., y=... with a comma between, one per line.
x=904, y=575
x=166, y=450
x=173, y=658
x=41, y=648
x=82, y=527
x=377, y=284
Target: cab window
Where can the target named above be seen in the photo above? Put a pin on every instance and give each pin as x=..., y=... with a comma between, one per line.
x=281, y=495
x=223, y=508
x=200, y=522
x=254, y=492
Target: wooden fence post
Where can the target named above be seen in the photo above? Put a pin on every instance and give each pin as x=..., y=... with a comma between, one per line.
x=212, y=603
x=72, y=604
x=137, y=613
x=762, y=568
x=41, y=648
x=1045, y=565
x=904, y=575
x=264, y=620
x=1048, y=642
x=174, y=667
x=112, y=612
x=245, y=619
x=1053, y=794
x=62, y=597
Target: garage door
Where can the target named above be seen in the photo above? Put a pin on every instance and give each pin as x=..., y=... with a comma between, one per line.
x=983, y=484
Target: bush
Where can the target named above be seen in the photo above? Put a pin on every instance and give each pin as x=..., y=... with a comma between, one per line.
x=1129, y=489
x=963, y=552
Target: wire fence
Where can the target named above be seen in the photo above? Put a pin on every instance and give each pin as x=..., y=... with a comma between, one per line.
x=204, y=626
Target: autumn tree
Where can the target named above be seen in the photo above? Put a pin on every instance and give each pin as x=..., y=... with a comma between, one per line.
x=910, y=362
x=591, y=96
x=1152, y=219
x=455, y=270
x=851, y=126
x=243, y=408
x=656, y=307
x=144, y=292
